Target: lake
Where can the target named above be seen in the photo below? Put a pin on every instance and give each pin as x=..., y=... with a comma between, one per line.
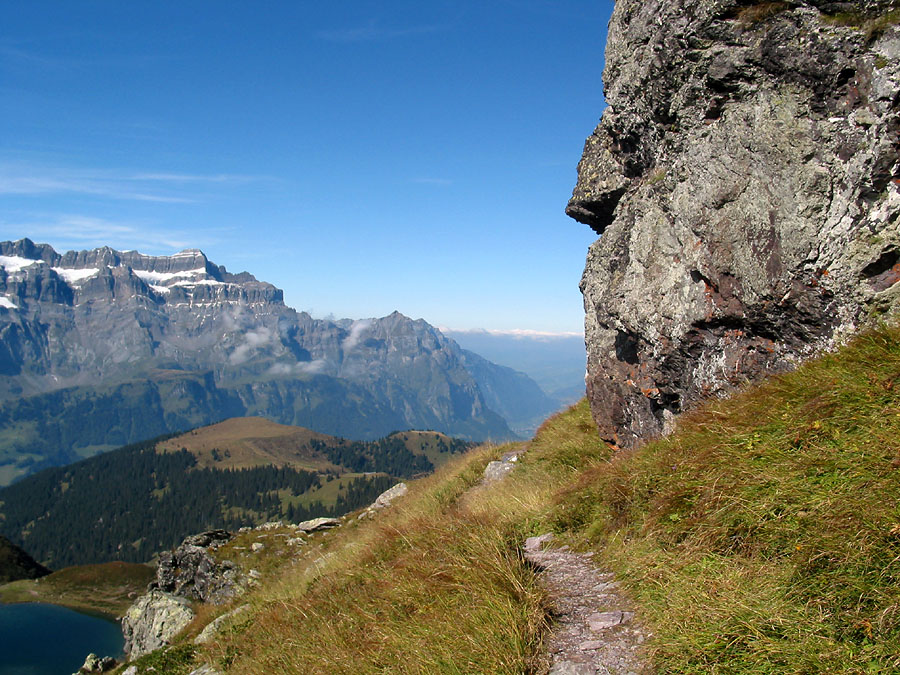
x=39, y=639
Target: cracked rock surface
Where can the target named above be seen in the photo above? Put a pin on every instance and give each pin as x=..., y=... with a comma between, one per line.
x=745, y=181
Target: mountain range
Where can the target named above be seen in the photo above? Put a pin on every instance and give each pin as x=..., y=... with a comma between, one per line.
x=103, y=348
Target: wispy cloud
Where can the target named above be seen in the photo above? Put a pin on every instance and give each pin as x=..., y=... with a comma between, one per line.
x=253, y=341
x=523, y=333
x=73, y=231
x=432, y=181
x=150, y=186
x=356, y=331
x=12, y=53
x=62, y=54
x=299, y=368
x=372, y=32
x=191, y=178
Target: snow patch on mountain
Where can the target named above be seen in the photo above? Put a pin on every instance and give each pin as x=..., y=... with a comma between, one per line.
x=14, y=263
x=148, y=276
x=72, y=276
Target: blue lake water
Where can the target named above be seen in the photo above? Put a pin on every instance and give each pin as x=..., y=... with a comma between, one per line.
x=39, y=639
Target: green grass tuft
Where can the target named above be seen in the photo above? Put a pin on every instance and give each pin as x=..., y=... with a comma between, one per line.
x=872, y=27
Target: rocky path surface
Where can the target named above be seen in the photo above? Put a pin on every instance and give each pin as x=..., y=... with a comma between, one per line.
x=594, y=629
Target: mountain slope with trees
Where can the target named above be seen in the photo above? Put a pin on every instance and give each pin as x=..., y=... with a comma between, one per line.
x=130, y=503
x=103, y=348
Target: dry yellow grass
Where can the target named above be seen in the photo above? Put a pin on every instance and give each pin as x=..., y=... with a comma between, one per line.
x=244, y=442
x=762, y=537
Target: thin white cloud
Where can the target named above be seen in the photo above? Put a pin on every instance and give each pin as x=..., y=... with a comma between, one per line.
x=299, y=368
x=523, y=333
x=356, y=331
x=73, y=231
x=372, y=32
x=253, y=340
x=57, y=183
x=191, y=178
x=148, y=186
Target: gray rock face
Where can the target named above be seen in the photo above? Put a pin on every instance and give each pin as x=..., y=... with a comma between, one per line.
x=213, y=627
x=500, y=469
x=205, y=669
x=386, y=498
x=152, y=622
x=142, y=345
x=317, y=524
x=745, y=179
x=97, y=664
x=191, y=571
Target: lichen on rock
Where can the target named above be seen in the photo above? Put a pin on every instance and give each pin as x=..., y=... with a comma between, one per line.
x=153, y=621
x=745, y=181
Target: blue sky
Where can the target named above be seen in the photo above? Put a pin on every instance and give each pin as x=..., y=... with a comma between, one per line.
x=363, y=156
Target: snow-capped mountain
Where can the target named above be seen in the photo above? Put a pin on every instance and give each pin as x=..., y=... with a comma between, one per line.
x=100, y=348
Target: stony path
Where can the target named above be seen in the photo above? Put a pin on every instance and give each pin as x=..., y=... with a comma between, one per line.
x=594, y=630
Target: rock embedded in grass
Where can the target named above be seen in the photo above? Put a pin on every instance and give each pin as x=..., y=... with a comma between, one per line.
x=153, y=621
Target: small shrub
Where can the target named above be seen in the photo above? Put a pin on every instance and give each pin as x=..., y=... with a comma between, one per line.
x=871, y=27
x=754, y=14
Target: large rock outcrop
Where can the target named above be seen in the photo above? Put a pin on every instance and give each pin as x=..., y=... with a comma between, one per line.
x=153, y=621
x=745, y=179
x=192, y=571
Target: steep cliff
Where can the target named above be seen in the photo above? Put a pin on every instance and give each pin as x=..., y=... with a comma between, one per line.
x=745, y=181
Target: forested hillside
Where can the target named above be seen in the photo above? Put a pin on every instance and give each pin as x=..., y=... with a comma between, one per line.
x=133, y=502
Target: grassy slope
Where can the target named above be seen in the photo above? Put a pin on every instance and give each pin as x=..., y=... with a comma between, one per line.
x=762, y=537
x=107, y=589
x=765, y=535
x=244, y=442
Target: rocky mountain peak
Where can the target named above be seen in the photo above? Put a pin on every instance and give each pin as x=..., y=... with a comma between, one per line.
x=101, y=348
x=745, y=179
x=34, y=272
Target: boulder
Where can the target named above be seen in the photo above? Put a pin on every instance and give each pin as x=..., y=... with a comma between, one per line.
x=153, y=621
x=317, y=524
x=385, y=498
x=496, y=471
x=205, y=669
x=97, y=664
x=745, y=181
x=213, y=628
x=191, y=571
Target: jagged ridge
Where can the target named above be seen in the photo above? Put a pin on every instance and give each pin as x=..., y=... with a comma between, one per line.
x=102, y=348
